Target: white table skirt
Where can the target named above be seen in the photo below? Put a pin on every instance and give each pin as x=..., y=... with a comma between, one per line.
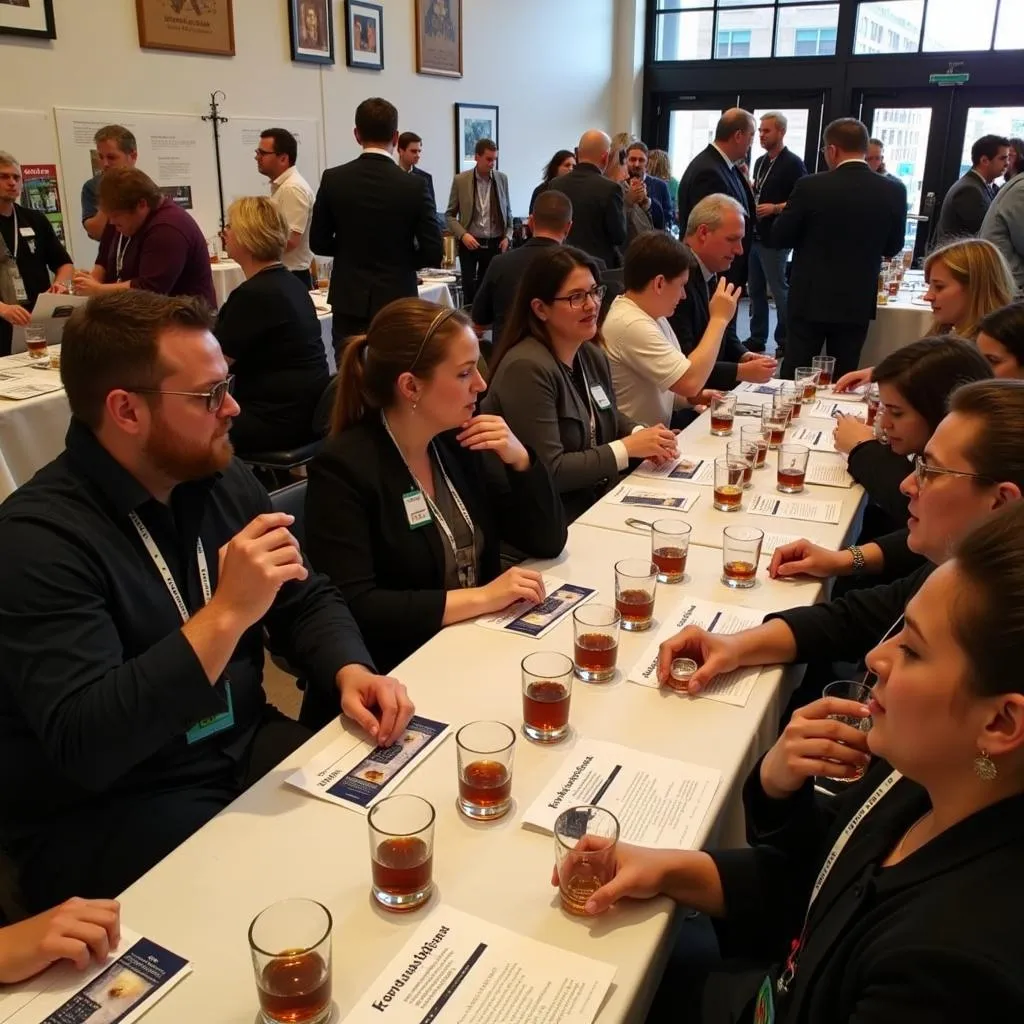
x=227, y=276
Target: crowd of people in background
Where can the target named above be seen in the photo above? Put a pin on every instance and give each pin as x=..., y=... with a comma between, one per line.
x=577, y=354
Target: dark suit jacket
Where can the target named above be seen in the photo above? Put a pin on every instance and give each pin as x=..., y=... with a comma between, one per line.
x=935, y=937
x=658, y=191
x=963, y=208
x=544, y=410
x=428, y=181
x=707, y=175
x=690, y=320
x=598, y=218
x=778, y=184
x=393, y=576
x=839, y=225
x=380, y=225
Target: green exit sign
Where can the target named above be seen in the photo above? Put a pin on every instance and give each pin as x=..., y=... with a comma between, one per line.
x=959, y=79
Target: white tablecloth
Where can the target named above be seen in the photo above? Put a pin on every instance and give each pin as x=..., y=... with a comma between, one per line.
x=227, y=276
x=899, y=322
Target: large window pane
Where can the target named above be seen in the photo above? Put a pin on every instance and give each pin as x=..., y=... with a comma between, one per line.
x=745, y=33
x=892, y=26
x=686, y=5
x=949, y=26
x=904, y=133
x=1006, y=121
x=807, y=31
x=1010, y=30
x=689, y=132
x=684, y=36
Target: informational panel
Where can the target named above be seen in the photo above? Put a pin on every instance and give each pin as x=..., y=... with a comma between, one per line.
x=239, y=139
x=175, y=150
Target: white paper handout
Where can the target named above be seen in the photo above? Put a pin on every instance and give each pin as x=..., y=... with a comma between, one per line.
x=827, y=409
x=828, y=473
x=644, y=497
x=777, y=540
x=537, y=620
x=769, y=387
x=816, y=438
x=135, y=976
x=685, y=469
x=19, y=385
x=353, y=773
x=794, y=508
x=732, y=688
x=658, y=801
x=460, y=968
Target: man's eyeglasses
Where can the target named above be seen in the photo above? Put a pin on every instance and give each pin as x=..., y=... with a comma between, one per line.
x=924, y=471
x=214, y=397
x=577, y=300
x=265, y=152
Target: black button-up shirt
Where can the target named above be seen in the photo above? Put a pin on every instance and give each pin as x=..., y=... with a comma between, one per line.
x=98, y=685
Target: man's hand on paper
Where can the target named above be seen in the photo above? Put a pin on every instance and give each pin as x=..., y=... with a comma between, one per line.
x=379, y=704
x=715, y=655
x=79, y=930
x=814, y=744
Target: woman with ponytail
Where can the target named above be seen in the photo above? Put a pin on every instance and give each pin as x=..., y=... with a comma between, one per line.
x=414, y=493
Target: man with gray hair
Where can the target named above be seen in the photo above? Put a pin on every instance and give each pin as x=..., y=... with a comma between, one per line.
x=115, y=147
x=775, y=174
x=29, y=251
x=714, y=235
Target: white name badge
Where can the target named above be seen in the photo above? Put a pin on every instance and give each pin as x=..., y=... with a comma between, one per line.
x=27, y=232
x=416, y=511
x=600, y=397
x=20, y=291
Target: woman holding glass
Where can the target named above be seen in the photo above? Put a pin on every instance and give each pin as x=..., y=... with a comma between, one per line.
x=551, y=382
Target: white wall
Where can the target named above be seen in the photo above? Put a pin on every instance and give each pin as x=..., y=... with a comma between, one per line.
x=548, y=64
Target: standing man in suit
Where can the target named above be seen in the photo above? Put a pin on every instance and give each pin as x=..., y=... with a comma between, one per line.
x=276, y=156
x=714, y=236
x=714, y=171
x=968, y=199
x=598, y=211
x=549, y=223
x=480, y=216
x=658, y=202
x=410, y=149
x=378, y=223
x=876, y=159
x=1004, y=226
x=775, y=174
x=839, y=224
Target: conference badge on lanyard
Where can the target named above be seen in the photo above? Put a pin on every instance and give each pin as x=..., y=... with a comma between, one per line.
x=214, y=724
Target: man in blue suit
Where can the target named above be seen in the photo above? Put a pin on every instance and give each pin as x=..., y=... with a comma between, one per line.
x=657, y=190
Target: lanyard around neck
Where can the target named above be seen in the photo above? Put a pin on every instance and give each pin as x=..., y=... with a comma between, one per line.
x=165, y=571
x=121, y=253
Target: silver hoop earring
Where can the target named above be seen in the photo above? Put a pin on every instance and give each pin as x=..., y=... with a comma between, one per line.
x=985, y=768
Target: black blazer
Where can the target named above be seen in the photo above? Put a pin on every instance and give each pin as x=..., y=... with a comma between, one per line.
x=839, y=225
x=778, y=184
x=690, y=320
x=546, y=413
x=880, y=471
x=428, y=181
x=936, y=937
x=393, y=576
x=706, y=175
x=380, y=225
x=963, y=208
x=598, y=216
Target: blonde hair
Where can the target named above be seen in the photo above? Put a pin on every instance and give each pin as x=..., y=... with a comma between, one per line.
x=981, y=270
x=659, y=165
x=259, y=227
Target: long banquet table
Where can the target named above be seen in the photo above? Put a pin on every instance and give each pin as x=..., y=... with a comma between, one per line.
x=274, y=842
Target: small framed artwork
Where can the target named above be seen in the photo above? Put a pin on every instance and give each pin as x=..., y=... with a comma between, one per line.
x=311, y=30
x=32, y=18
x=439, y=37
x=364, y=31
x=473, y=122
x=187, y=26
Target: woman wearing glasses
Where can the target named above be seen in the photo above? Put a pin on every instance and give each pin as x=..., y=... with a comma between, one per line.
x=414, y=493
x=551, y=381
x=900, y=901
x=270, y=335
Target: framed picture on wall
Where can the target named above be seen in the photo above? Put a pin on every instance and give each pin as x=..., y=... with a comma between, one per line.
x=27, y=18
x=364, y=32
x=187, y=26
x=311, y=29
x=439, y=37
x=473, y=122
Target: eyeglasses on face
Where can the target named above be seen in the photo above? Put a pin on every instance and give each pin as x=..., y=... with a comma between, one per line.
x=924, y=471
x=265, y=152
x=577, y=300
x=214, y=397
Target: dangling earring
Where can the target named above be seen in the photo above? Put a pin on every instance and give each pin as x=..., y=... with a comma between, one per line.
x=415, y=404
x=985, y=768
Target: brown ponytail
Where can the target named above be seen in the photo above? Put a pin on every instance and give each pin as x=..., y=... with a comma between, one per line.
x=406, y=336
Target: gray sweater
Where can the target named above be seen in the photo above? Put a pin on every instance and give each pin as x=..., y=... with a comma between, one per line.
x=1003, y=226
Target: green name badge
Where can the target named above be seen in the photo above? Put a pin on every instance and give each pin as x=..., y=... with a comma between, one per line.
x=207, y=727
x=764, y=1006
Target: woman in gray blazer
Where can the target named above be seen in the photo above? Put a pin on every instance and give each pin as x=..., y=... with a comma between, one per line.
x=551, y=381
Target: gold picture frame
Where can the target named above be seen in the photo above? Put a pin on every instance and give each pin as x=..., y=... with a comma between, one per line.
x=187, y=26
x=439, y=38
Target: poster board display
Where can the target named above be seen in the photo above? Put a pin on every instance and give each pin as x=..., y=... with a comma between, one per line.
x=239, y=137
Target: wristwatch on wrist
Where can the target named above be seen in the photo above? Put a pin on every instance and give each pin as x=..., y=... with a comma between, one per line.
x=859, y=565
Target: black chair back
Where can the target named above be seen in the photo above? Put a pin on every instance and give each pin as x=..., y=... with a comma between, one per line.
x=292, y=499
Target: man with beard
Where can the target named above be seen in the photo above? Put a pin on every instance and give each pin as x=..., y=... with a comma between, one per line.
x=141, y=569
